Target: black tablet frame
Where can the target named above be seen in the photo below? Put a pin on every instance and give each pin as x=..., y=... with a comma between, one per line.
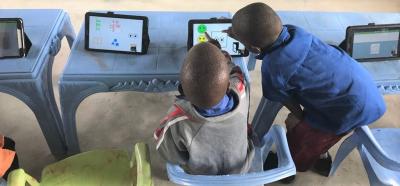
x=351, y=30
x=208, y=21
x=145, y=33
x=21, y=35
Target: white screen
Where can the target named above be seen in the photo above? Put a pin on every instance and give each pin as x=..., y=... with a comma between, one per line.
x=215, y=31
x=107, y=33
x=376, y=44
x=9, y=40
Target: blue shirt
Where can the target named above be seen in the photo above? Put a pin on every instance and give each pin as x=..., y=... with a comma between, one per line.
x=337, y=93
x=224, y=106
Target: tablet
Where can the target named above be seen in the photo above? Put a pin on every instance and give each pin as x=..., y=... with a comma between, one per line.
x=11, y=38
x=214, y=27
x=373, y=42
x=109, y=32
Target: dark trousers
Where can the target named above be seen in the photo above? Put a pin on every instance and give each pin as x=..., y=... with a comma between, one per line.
x=306, y=144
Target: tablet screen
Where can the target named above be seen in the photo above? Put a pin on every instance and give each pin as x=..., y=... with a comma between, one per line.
x=376, y=44
x=9, y=40
x=115, y=34
x=232, y=46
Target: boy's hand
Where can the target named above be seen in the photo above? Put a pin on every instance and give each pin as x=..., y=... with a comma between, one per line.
x=212, y=41
x=227, y=56
x=291, y=121
x=230, y=32
x=216, y=43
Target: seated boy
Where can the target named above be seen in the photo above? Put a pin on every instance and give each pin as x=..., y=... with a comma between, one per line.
x=205, y=131
x=298, y=69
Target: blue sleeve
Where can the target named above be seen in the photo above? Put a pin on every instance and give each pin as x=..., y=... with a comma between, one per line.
x=274, y=93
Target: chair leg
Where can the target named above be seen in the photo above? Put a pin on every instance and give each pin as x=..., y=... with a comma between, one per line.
x=345, y=148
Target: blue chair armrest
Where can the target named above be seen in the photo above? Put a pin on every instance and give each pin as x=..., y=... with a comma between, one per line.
x=251, y=64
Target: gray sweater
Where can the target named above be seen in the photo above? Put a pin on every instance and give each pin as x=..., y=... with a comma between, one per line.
x=208, y=145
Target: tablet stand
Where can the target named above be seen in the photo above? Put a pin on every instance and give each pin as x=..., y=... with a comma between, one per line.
x=28, y=44
x=146, y=43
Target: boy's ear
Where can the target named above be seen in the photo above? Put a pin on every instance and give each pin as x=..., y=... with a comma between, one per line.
x=227, y=88
x=180, y=89
x=227, y=56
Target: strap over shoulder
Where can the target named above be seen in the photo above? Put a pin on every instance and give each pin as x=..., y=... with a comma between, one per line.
x=174, y=116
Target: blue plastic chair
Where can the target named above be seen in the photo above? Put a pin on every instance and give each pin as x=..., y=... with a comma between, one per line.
x=379, y=150
x=256, y=176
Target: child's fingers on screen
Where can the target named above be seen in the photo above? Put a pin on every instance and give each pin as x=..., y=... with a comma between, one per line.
x=207, y=36
x=228, y=31
x=212, y=41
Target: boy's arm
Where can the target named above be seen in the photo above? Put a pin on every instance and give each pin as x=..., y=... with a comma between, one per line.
x=212, y=41
x=281, y=93
x=173, y=147
x=291, y=121
x=170, y=141
x=294, y=108
x=237, y=80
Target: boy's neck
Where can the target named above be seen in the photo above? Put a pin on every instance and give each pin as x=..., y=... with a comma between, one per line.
x=225, y=105
x=282, y=38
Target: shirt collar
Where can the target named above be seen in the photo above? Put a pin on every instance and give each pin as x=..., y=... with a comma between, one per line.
x=224, y=106
x=283, y=37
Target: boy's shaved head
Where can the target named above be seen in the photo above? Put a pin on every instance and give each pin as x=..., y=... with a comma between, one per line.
x=205, y=75
x=256, y=24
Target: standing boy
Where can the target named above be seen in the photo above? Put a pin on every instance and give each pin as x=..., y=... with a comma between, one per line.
x=298, y=69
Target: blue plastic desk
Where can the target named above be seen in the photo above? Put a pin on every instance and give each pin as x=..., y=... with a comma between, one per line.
x=87, y=73
x=331, y=28
x=29, y=79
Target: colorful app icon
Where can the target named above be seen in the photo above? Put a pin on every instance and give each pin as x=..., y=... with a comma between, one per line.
x=132, y=35
x=202, y=38
x=97, y=40
x=98, y=24
x=235, y=47
x=115, y=42
x=202, y=28
x=133, y=47
x=115, y=26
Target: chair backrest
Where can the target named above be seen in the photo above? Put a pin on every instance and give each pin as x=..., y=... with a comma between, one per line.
x=285, y=168
x=141, y=157
x=368, y=140
x=263, y=119
x=18, y=177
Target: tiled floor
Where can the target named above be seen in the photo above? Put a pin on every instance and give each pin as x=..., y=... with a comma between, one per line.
x=109, y=120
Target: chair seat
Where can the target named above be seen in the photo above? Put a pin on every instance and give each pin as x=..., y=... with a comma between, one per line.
x=379, y=151
x=385, y=175
x=99, y=167
x=389, y=140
